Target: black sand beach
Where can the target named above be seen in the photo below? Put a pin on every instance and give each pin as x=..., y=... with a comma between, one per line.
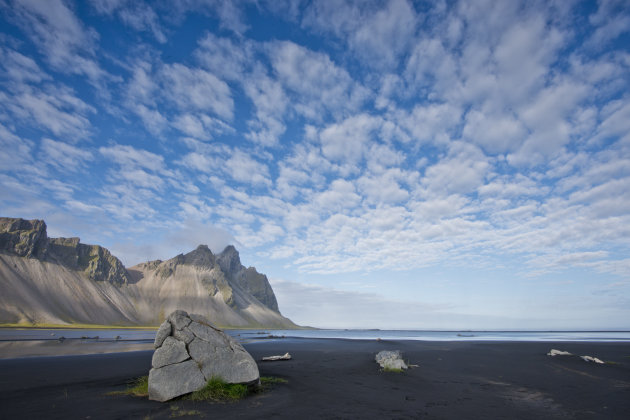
x=339, y=379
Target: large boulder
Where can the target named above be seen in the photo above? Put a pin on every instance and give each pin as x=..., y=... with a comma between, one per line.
x=189, y=351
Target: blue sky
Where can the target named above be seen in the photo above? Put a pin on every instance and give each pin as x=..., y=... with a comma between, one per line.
x=387, y=164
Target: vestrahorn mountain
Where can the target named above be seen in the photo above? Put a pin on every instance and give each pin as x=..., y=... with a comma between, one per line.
x=62, y=281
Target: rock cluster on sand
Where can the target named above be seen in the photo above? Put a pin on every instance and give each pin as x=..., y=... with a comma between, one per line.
x=391, y=359
x=190, y=351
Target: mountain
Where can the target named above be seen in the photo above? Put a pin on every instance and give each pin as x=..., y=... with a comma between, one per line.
x=62, y=281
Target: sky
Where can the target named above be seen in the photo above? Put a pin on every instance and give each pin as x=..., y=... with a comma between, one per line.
x=387, y=164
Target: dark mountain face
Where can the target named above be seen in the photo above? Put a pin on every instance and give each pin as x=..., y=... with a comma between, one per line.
x=229, y=261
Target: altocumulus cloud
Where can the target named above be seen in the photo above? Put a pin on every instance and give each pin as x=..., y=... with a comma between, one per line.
x=376, y=140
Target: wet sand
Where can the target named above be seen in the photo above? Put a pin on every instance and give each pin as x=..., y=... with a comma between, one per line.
x=329, y=378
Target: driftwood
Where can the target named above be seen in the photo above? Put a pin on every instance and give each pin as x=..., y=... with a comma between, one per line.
x=286, y=356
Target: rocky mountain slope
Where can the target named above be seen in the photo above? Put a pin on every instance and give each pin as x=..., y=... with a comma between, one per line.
x=62, y=281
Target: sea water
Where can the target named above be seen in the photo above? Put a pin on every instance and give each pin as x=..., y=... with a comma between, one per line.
x=424, y=335
x=30, y=342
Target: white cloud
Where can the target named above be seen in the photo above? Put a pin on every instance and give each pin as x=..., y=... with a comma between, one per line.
x=348, y=140
x=60, y=36
x=321, y=88
x=63, y=156
x=15, y=152
x=495, y=133
x=463, y=170
x=20, y=67
x=270, y=102
x=130, y=157
x=378, y=35
x=383, y=188
x=197, y=89
x=225, y=58
x=138, y=15
x=58, y=111
x=243, y=168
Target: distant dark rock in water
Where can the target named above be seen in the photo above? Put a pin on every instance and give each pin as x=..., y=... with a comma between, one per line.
x=189, y=352
x=62, y=281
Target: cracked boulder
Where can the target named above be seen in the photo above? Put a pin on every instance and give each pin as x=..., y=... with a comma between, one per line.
x=189, y=351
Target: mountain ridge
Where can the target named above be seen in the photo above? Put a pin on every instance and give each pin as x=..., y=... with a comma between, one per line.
x=62, y=281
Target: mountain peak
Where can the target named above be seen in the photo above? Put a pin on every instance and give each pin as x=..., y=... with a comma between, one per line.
x=201, y=257
x=26, y=238
x=229, y=260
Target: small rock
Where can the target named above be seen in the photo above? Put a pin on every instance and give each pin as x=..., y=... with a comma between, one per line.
x=591, y=359
x=390, y=359
x=555, y=352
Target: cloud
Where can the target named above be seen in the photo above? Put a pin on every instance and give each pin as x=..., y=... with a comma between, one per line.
x=377, y=35
x=137, y=15
x=58, y=110
x=21, y=68
x=54, y=28
x=192, y=88
x=243, y=168
x=320, y=87
x=348, y=141
x=64, y=157
x=15, y=152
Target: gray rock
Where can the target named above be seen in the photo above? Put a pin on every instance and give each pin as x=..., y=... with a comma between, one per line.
x=201, y=319
x=213, y=354
x=172, y=381
x=209, y=334
x=389, y=359
x=184, y=335
x=163, y=332
x=172, y=351
x=179, y=319
x=232, y=363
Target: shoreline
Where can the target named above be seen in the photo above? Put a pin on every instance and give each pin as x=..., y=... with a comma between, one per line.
x=337, y=378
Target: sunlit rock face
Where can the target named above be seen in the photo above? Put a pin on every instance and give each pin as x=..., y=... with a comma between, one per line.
x=62, y=281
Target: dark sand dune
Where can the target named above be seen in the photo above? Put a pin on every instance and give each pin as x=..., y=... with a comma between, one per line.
x=339, y=379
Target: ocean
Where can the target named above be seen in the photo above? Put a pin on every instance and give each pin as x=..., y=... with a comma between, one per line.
x=16, y=342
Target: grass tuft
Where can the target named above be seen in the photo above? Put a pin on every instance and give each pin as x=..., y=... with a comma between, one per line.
x=394, y=370
x=139, y=388
x=270, y=380
x=218, y=390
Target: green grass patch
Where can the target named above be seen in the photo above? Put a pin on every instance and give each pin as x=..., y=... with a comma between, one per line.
x=139, y=388
x=270, y=380
x=218, y=390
